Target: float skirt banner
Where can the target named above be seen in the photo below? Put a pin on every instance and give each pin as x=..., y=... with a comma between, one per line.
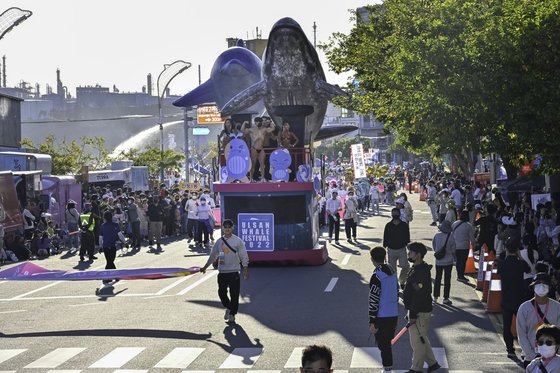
x=28, y=271
x=256, y=230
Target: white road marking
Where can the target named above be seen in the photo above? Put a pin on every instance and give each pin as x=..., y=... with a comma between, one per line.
x=64, y=371
x=14, y=311
x=131, y=371
x=366, y=357
x=171, y=286
x=205, y=278
x=36, y=290
x=180, y=357
x=331, y=285
x=55, y=358
x=198, y=371
x=264, y=371
x=241, y=358
x=117, y=358
x=80, y=296
x=8, y=354
x=295, y=358
x=86, y=304
x=345, y=260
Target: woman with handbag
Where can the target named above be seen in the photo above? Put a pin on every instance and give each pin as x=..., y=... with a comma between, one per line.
x=444, y=252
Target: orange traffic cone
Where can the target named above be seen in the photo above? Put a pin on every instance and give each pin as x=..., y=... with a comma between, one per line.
x=469, y=266
x=487, y=280
x=494, y=304
x=416, y=187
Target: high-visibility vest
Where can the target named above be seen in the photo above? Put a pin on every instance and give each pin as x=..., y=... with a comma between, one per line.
x=84, y=219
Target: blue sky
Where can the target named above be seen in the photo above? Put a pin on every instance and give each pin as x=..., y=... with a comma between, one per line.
x=119, y=42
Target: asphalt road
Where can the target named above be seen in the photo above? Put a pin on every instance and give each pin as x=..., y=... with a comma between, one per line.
x=176, y=325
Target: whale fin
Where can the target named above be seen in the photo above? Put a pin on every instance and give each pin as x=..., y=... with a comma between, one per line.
x=202, y=94
x=328, y=90
x=244, y=99
x=327, y=132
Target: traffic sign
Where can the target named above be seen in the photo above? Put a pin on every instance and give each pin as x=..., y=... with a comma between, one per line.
x=198, y=131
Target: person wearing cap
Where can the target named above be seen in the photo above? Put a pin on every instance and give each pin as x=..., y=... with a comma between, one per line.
x=548, y=344
x=383, y=302
x=396, y=236
x=488, y=228
x=451, y=214
x=334, y=206
x=511, y=270
x=535, y=312
x=231, y=254
x=350, y=216
x=443, y=240
x=417, y=297
x=432, y=203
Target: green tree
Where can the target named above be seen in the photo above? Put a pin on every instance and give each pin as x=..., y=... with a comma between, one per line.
x=458, y=77
x=155, y=160
x=69, y=157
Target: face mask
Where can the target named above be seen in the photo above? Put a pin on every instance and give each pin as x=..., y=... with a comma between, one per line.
x=193, y=197
x=541, y=290
x=547, y=351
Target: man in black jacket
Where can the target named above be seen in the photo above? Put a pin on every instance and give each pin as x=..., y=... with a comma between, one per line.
x=417, y=297
x=511, y=271
x=395, y=238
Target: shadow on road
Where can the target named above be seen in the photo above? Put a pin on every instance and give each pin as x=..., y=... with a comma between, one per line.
x=134, y=333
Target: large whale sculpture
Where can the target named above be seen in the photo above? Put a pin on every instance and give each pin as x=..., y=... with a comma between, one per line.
x=234, y=70
x=292, y=77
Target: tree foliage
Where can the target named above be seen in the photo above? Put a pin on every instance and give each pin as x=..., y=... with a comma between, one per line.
x=459, y=77
x=69, y=157
x=155, y=160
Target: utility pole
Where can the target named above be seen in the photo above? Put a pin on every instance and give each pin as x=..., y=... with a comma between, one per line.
x=314, y=35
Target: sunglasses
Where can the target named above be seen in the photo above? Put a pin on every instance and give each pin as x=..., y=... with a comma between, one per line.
x=548, y=342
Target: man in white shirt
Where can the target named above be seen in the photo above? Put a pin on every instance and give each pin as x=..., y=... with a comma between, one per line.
x=375, y=197
x=192, y=219
x=431, y=201
x=334, y=206
x=457, y=196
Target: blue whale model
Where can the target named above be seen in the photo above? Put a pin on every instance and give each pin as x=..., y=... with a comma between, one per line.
x=234, y=70
x=292, y=77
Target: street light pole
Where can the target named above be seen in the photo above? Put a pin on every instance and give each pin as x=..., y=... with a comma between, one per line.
x=170, y=71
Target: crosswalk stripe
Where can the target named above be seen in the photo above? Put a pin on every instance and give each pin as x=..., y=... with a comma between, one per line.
x=242, y=358
x=346, y=259
x=331, y=285
x=205, y=278
x=8, y=371
x=180, y=357
x=64, y=371
x=198, y=371
x=55, y=358
x=366, y=357
x=294, y=360
x=117, y=358
x=264, y=371
x=8, y=354
x=131, y=371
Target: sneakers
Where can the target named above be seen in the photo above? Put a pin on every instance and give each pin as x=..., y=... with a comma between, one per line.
x=435, y=300
x=93, y=257
x=433, y=224
x=512, y=355
x=463, y=279
x=434, y=367
x=330, y=240
x=349, y=240
x=447, y=302
x=336, y=242
x=227, y=314
x=414, y=371
x=231, y=319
